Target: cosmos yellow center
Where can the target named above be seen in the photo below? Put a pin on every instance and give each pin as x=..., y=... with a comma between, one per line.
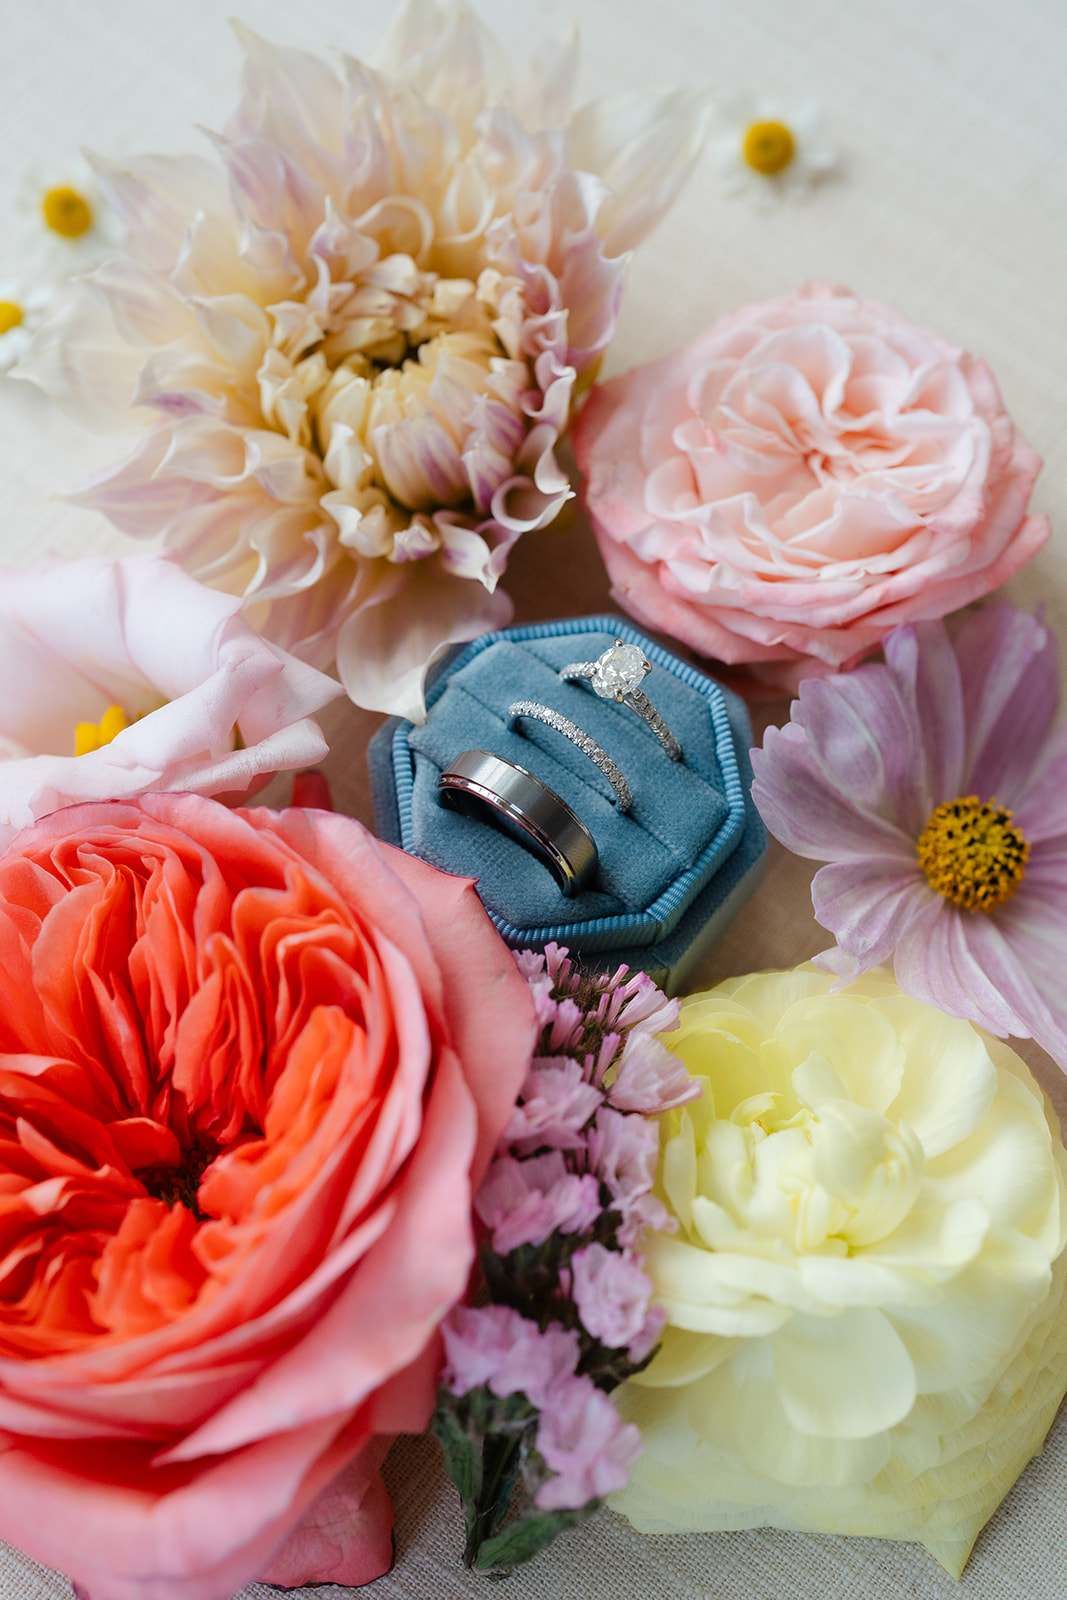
x=67, y=212
x=971, y=853
x=768, y=148
x=10, y=316
x=94, y=735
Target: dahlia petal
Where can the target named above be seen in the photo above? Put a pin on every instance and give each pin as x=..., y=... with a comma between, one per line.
x=448, y=56
x=155, y=197
x=643, y=145
x=387, y=644
x=291, y=98
x=542, y=95
x=79, y=358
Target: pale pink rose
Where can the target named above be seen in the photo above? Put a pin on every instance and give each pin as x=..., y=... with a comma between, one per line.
x=252, y=1066
x=806, y=475
x=355, y=337
x=211, y=707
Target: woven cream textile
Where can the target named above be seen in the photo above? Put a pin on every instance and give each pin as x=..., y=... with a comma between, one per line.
x=950, y=202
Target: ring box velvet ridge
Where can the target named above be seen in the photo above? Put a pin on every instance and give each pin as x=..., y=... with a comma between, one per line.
x=673, y=870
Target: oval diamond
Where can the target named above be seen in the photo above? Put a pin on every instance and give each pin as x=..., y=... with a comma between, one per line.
x=619, y=671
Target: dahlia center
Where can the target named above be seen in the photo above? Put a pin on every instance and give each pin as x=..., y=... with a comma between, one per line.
x=67, y=212
x=10, y=316
x=971, y=853
x=94, y=735
x=384, y=382
x=768, y=148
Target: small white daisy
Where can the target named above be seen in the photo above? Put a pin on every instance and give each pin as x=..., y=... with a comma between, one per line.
x=22, y=307
x=770, y=150
x=67, y=225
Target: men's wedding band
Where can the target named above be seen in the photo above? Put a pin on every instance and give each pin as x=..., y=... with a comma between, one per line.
x=615, y=675
x=577, y=736
x=512, y=800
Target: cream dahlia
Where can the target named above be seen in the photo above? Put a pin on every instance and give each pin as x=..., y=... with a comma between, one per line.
x=356, y=338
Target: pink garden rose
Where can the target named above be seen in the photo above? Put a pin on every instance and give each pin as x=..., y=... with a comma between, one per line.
x=157, y=680
x=252, y=1066
x=804, y=476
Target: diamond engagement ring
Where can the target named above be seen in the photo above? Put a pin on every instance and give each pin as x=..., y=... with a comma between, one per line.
x=616, y=675
x=500, y=792
x=571, y=731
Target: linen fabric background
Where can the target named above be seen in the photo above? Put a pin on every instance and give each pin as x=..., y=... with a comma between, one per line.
x=949, y=202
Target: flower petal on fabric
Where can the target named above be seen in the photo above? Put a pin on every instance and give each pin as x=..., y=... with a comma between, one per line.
x=401, y=625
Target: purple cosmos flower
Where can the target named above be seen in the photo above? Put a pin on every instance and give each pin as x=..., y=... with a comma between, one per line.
x=936, y=788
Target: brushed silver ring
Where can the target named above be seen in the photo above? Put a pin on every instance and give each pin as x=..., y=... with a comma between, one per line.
x=513, y=801
x=579, y=737
x=615, y=675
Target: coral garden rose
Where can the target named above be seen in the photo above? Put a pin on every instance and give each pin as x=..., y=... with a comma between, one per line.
x=866, y=1329
x=122, y=676
x=804, y=476
x=252, y=1064
x=356, y=338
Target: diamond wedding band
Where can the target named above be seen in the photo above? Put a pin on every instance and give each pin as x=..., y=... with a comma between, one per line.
x=516, y=803
x=615, y=675
x=571, y=731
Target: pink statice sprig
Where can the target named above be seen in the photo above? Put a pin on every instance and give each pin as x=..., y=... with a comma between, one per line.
x=530, y=1437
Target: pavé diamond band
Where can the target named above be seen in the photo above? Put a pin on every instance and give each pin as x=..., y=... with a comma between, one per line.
x=577, y=736
x=616, y=675
x=513, y=801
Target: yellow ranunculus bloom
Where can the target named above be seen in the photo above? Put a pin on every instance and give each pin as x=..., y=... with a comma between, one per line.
x=865, y=1332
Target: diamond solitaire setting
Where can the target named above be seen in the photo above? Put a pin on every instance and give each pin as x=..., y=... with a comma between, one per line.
x=619, y=671
x=616, y=675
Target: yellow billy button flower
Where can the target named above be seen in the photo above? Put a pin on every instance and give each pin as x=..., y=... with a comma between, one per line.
x=768, y=147
x=10, y=316
x=67, y=212
x=972, y=855
x=94, y=735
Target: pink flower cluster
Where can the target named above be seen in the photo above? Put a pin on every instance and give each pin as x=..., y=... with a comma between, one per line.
x=579, y=1127
x=565, y=1203
x=579, y=1434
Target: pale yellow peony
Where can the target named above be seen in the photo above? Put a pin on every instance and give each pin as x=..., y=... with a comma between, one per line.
x=865, y=1332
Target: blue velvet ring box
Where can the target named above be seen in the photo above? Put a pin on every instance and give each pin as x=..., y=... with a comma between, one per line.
x=673, y=870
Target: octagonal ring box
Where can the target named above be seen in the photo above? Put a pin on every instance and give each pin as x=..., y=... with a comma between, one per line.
x=672, y=871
